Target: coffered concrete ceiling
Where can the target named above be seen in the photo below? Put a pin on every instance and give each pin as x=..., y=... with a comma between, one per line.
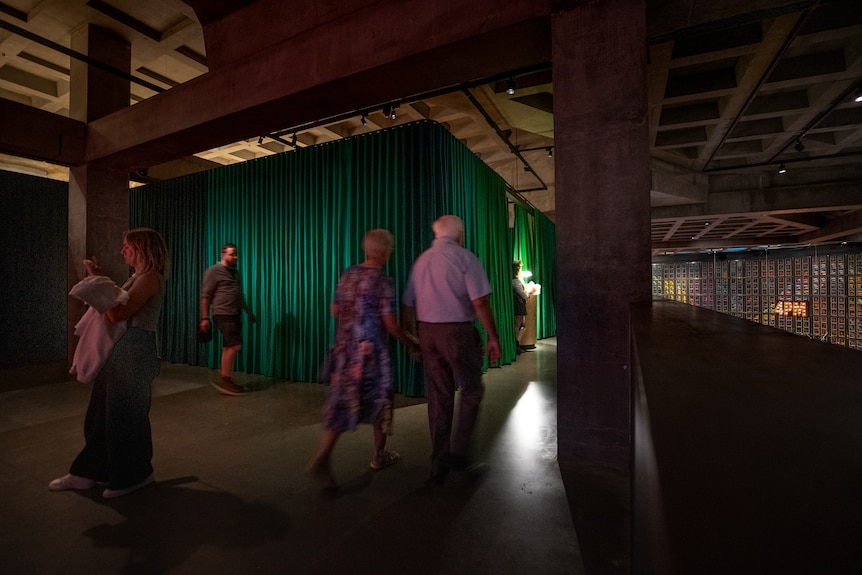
x=730, y=101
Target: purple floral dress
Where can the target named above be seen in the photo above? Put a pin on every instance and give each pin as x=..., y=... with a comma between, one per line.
x=360, y=384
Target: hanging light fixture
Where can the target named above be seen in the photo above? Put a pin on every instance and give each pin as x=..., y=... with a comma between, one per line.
x=781, y=168
x=799, y=145
x=550, y=152
x=510, y=87
x=363, y=121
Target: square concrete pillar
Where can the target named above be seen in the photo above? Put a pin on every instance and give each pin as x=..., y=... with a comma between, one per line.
x=98, y=196
x=601, y=158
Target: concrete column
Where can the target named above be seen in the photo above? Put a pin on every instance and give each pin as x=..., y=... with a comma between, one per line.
x=603, y=216
x=98, y=196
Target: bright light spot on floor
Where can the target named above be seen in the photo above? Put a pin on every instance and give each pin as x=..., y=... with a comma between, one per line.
x=532, y=425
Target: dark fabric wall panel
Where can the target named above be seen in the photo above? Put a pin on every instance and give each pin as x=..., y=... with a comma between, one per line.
x=33, y=233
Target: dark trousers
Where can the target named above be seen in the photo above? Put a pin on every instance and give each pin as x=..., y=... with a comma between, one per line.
x=119, y=445
x=452, y=357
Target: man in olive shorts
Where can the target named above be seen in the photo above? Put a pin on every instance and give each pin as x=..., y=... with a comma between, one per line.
x=223, y=291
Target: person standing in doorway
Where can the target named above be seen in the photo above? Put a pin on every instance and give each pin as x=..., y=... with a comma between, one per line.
x=446, y=292
x=222, y=291
x=520, y=303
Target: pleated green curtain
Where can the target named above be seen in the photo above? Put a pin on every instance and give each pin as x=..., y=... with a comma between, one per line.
x=546, y=275
x=524, y=244
x=534, y=243
x=298, y=220
x=177, y=209
x=477, y=194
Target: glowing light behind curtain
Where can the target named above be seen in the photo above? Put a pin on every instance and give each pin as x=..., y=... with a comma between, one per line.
x=546, y=275
x=534, y=243
x=177, y=209
x=524, y=245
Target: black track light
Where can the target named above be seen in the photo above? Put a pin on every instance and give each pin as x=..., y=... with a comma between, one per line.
x=387, y=110
x=799, y=145
x=781, y=168
x=510, y=87
x=550, y=152
x=293, y=140
x=260, y=140
x=363, y=121
x=858, y=96
x=392, y=115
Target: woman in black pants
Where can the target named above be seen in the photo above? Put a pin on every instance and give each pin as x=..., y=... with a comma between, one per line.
x=119, y=445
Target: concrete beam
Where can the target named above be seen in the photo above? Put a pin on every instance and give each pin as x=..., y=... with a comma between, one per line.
x=40, y=135
x=669, y=16
x=842, y=227
x=808, y=198
x=323, y=72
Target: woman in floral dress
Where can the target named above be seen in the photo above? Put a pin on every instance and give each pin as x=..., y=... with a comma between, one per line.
x=360, y=374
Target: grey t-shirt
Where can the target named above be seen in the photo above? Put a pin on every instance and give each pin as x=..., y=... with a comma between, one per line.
x=221, y=286
x=147, y=317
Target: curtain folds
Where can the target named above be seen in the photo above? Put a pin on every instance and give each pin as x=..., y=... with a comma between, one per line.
x=546, y=275
x=177, y=209
x=534, y=243
x=298, y=220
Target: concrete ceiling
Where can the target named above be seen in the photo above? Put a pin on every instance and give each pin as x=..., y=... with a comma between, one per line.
x=730, y=101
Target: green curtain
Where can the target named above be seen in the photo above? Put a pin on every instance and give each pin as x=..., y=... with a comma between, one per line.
x=534, y=243
x=486, y=220
x=524, y=245
x=545, y=274
x=298, y=220
x=177, y=209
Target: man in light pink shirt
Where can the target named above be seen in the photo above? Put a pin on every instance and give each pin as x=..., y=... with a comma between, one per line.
x=446, y=292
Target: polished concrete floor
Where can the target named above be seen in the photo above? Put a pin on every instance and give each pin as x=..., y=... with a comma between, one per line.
x=231, y=495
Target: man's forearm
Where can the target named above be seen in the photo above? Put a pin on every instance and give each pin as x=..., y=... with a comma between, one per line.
x=486, y=316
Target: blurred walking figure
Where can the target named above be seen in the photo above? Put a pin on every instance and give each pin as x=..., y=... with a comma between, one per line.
x=446, y=292
x=360, y=373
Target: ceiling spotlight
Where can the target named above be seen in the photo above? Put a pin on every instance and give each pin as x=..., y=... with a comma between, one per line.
x=510, y=87
x=799, y=145
x=387, y=110
x=858, y=97
x=781, y=168
x=392, y=115
x=260, y=140
x=363, y=120
x=550, y=152
x=293, y=140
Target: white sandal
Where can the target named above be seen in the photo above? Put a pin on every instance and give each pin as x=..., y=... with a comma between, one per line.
x=386, y=459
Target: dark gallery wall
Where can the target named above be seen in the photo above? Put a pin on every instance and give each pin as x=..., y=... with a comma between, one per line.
x=33, y=233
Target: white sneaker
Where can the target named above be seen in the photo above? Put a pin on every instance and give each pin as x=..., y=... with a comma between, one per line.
x=70, y=481
x=114, y=493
